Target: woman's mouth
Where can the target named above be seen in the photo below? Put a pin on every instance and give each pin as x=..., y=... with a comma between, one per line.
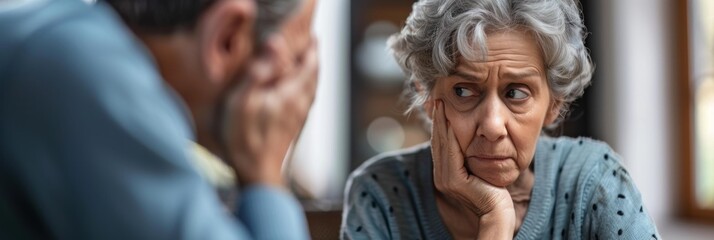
x=490, y=157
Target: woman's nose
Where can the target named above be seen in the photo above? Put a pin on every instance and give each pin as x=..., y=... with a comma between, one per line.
x=491, y=119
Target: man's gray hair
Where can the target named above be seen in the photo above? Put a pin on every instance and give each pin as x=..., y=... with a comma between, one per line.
x=271, y=14
x=439, y=31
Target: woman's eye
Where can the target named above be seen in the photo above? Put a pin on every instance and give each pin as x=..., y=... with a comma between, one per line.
x=463, y=92
x=516, y=94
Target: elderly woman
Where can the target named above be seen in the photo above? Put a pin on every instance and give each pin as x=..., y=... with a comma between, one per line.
x=491, y=74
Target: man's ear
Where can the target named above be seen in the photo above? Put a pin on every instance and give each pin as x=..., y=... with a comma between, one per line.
x=225, y=36
x=553, y=112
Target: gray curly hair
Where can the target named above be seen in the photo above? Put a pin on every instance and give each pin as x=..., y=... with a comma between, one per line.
x=437, y=32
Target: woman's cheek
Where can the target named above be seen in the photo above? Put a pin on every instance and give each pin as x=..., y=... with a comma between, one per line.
x=525, y=144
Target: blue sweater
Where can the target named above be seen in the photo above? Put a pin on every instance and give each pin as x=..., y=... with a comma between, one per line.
x=93, y=144
x=581, y=191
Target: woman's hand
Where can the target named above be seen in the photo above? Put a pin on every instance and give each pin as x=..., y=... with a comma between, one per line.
x=492, y=205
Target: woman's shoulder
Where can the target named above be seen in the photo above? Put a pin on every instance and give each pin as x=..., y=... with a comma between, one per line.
x=593, y=189
x=383, y=196
x=391, y=176
x=400, y=161
x=578, y=155
x=579, y=166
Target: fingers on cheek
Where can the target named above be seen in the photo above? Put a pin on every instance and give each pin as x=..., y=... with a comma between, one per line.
x=435, y=124
x=443, y=121
x=443, y=140
x=454, y=142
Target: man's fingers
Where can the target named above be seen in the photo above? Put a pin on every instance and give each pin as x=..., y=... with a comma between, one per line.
x=260, y=72
x=312, y=63
x=275, y=64
x=299, y=27
x=302, y=84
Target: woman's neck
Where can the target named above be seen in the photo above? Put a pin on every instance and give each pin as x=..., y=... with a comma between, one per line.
x=464, y=225
x=520, y=192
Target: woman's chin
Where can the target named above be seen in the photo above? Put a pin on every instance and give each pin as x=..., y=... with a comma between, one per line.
x=499, y=176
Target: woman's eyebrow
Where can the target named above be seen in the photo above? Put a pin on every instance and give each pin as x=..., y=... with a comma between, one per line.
x=468, y=77
x=520, y=73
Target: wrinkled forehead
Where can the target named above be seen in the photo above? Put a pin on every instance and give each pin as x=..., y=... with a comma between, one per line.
x=478, y=45
x=516, y=51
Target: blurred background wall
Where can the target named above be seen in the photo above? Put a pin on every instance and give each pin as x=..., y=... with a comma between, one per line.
x=638, y=48
x=641, y=49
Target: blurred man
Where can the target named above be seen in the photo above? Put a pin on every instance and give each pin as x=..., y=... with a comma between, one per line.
x=200, y=61
x=271, y=105
x=95, y=146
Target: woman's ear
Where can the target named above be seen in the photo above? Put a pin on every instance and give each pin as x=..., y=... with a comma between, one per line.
x=226, y=37
x=553, y=112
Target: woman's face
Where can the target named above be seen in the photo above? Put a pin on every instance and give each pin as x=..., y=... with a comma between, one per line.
x=497, y=107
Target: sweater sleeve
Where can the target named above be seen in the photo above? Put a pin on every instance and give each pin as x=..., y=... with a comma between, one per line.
x=271, y=213
x=616, y=209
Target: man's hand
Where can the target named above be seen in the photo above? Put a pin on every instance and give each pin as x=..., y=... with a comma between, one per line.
x=268, y=111
x=492, y=205
x=295, y=28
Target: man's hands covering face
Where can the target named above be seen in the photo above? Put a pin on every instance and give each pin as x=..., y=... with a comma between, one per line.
x=269, y=108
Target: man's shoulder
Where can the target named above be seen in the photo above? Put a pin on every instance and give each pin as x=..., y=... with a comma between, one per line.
x=66, y=55
x=69, y=46
x=22, y=20
x=58, y=31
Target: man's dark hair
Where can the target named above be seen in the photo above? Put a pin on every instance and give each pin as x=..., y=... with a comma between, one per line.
x=168, y=16
x=160, y=16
